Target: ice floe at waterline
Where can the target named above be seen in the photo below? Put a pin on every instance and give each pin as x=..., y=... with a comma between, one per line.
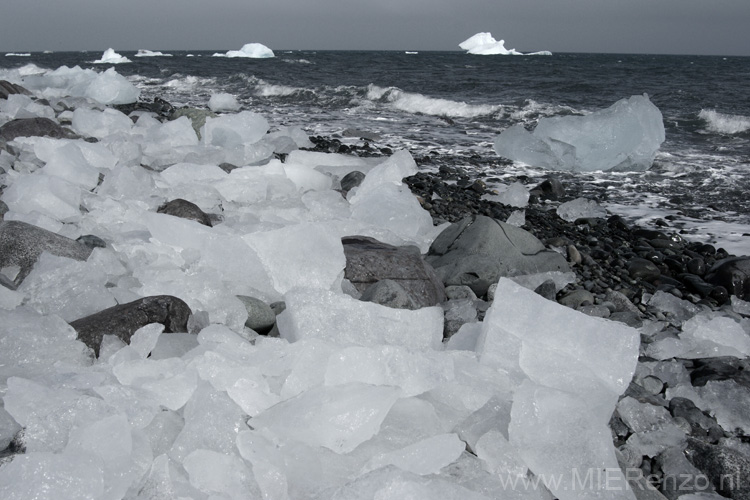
x=150, y=53
x=249, y=50
x=623, y=137
x=112, y=57
x=484, y=44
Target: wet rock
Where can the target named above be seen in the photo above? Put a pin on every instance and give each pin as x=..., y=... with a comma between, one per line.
x=260, y=317
x=186, y=210
x=734, y=275
x=352, y=180
x=479, y=250
x=700, y=423
x=21, y=244
x=196, y=116
x=7, y=88
x=550, y=189
x=92, y=241
x=369, y=261
x=721, y=368
x=643, y=269
x=124, y=319
x=548, y=289
x=726, y=468
x=34, y=127
x=577, y=298
x=627, y=317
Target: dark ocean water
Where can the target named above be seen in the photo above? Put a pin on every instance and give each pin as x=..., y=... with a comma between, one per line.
x=456, y=104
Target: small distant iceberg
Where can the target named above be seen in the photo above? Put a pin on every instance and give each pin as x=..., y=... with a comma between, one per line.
x=411, y=52
x=484, y=44
x=251, y=50
x=112, y=57
x=149, y=53
x=18, y=54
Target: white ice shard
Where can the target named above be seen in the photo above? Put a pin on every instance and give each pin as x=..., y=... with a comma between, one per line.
x=704, y=336
x=151, y=53
x=580, y=208
x=625, y=136
x=222, y=102
x=484, y=44
x=111, y=57
x=250, y=50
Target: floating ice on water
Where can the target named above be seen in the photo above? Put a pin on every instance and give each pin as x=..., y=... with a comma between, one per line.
x=625, y=136
x=222, y=102
x=151, y=53
x=250, y=50
x=107, y=87
x=485, y=44
x=580, y=208
x=111, y=57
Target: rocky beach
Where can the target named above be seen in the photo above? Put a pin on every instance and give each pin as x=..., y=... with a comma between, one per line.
x=196, y=304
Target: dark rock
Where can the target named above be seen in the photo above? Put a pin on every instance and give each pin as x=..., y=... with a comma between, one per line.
x=679, y=476
x=369, y=261
x=461, y=292
x=479, y=250
x=124, y=319
x=696, y=266
x=550, y=189
x=352, y=180
x=227, y=167
x=547, y=289
x=643, y=269
x=7, y=88
x=3, y=209
x=21, y=244
x=390, y=294
x=726, y=468
x=734, y=275
x=92, y=241
x=700, y=423
x=621, y=302
x=629, y=318
x=34, y=127
x=577, y=298
x=696, y=284
x=186, y=210
x=721, y=368
x=260, y=317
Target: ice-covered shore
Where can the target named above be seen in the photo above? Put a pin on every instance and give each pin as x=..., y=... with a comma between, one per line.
x=353, y=399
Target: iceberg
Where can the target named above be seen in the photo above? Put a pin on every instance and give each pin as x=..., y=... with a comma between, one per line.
x=150, y=53
x=622, y=137
x=250, y=50
x=112, y=57
x=485, y=45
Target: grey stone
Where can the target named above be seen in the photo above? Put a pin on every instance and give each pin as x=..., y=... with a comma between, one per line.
x=124, y=319
x=361, y=134
x=3, y=209
x=597, y=311
x=369, y=261
x=260, y=316
x=621, y=302
x=627, y=317
x=726, y=468
x=34, y=127
x=389, y=293
x=185, y=210
x=680, y=477
x=652, y=384
x=21, y=244
x=733, y=274
x=639, y=268
x=477, y=251
x=351, y=180
x=457, y=313
x=7, y=88
x=577, y=298
x=548, y=290
x=92, y=241
x=643, y=490
x=700, y=423
x=460, y=292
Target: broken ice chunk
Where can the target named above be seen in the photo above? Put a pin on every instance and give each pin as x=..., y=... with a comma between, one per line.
x=580, y=208
x=424, y=457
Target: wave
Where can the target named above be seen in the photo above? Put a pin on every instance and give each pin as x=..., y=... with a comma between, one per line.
x=418, y=103
x=264, y=89
x=722, y=123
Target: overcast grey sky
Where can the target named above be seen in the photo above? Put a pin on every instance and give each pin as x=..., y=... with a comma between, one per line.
x=717, y=27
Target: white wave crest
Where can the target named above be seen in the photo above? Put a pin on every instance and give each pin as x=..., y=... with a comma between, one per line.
x=270, y=90
x=418, y=103
x=723, y=123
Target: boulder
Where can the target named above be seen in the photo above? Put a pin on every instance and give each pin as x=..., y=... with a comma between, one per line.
x=726, y=468
x=390, y=294
x=369, y=261
x=260, y=316
x=733, y=274
x=124, y=320
x=477, y=251
x=34, y=127
x=21, y=244
x=186, y=210
x=7, y=88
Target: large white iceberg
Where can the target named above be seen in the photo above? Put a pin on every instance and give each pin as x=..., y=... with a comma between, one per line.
x=251, y=50
x=622, y=137
x=112, y=57
x=485, y=45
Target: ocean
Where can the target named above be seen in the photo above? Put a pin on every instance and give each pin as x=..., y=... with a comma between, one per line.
x=455, y=104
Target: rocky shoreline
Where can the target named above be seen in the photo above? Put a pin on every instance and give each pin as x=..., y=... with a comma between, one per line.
x=684, y=414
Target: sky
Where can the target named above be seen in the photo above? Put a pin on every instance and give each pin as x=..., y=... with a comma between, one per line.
x=701, y=27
